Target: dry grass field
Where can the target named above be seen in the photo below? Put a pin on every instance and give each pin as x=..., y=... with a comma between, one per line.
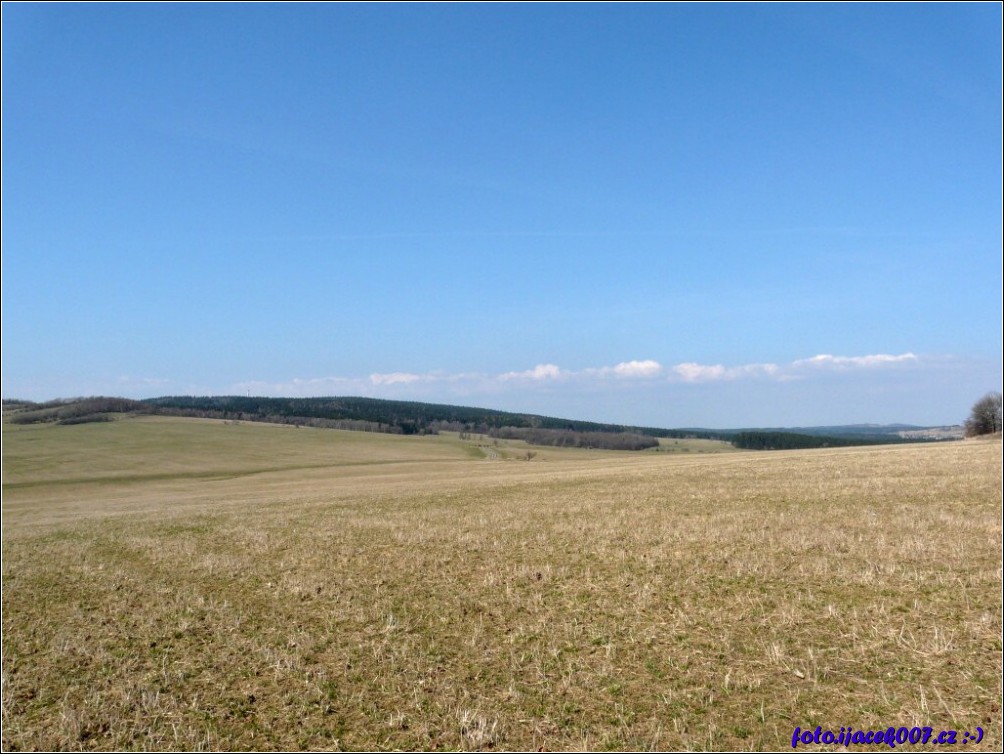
x=189, y=584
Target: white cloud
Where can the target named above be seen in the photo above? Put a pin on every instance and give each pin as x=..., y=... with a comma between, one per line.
x=539, y=373
x=625, y=369
x=398, y=378
x=852, y=362
x=397, y=384
x=758, y=370
x=300, y=387
x=691, y=372
x=647, y=368
x=798, y=369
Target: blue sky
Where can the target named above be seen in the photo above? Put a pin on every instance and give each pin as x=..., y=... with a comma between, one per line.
x=672, y=215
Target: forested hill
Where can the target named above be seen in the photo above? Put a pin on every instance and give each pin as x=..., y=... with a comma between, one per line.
x=774, y=440
x=406, y=417
x=410, y=418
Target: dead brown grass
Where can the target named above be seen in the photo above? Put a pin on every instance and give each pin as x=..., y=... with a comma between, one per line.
x=579, y=601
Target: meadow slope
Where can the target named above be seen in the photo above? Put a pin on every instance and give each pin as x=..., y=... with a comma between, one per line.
x=190, y=584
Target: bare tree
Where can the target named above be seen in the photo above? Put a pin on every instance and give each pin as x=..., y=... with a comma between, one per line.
x=985, y=417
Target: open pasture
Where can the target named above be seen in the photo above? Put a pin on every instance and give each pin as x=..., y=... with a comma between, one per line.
x=179, y=583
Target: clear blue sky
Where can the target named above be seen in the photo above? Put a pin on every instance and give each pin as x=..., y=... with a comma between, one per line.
x=673, y=215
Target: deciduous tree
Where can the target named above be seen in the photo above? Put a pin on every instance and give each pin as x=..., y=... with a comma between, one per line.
x=985, y=417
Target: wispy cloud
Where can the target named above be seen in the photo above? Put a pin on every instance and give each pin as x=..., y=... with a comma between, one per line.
x=691, y=372
x=798, y=369
x=629, y=369
x=825, y=360
x=399, y=378
x=638, y=371
x=539, y=373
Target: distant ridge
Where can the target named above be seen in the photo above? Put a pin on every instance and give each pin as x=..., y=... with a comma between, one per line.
x=410, y=417
x=840, y=430
x=413, y=417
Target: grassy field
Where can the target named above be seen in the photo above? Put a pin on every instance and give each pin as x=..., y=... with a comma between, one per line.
x=180, y=583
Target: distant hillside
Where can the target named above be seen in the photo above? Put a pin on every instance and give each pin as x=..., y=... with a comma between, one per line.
x=401, y=417
x=846, y=430
x=73, y=411
x=411, y=417
x=775, y=440
x=873, y=432
x=951, y=432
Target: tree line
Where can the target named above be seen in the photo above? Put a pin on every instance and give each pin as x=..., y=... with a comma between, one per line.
x=415, y=418
x=760, y=440
x=399, y=417
x=564, y=438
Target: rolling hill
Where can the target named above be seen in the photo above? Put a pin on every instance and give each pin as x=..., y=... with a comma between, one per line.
x=411, y=418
